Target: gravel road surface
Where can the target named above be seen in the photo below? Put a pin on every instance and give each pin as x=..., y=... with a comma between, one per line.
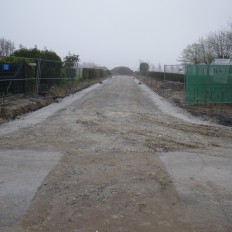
x=130, y=162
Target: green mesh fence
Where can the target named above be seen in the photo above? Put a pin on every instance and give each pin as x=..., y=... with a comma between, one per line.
x=208, y=84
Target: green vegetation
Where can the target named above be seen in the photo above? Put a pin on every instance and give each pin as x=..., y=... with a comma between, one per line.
x=36, y=54
x=144, y=67
x=29, y=64
x=93, y=73
x=70, y=65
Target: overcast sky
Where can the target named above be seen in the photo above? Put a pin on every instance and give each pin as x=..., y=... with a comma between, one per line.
x=113, y=32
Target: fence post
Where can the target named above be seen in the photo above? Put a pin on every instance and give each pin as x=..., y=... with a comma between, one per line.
x=3, y=106
x=37, y=78
x=164, y=80
x=205, y=101
x=222, y=100
x=185, y=81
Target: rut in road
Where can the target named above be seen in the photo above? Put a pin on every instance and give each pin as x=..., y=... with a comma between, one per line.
x=110, y=177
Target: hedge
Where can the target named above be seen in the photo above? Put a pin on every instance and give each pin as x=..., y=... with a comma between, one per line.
x=176, y=77
x=92, y=73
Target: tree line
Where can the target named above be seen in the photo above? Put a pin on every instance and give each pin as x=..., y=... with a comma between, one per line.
x=215, y=45
x=7, y=48
x=65, y=68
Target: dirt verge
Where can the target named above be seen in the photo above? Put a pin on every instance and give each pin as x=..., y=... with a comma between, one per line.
x=174, y=92
x=12, y=107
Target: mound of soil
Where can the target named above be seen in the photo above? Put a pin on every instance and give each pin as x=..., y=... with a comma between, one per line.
x=122, y=71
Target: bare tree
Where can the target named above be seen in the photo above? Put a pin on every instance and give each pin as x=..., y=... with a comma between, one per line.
x=192, y=54
x=21, y=46
x=6, y=47
x=205, y=53
x=219, y=44
x=152, y=67
x=229, y=39
x=159, y=68
x=216, y=45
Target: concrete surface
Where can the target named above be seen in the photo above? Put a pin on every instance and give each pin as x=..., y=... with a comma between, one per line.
x=43, y=113
x=21, y=173
x=203, y=182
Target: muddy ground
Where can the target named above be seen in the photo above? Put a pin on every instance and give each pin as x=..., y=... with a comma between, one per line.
x=220, y=113
x=13, y=106
x=111, y=176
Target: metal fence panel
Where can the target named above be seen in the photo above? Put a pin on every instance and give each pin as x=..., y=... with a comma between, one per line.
x=33, y=76
x=208, y=84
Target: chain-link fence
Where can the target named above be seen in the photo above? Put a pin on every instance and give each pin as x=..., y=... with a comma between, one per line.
x=201, y=89
x=29, y=77
x=170, y=83
x=33, y=76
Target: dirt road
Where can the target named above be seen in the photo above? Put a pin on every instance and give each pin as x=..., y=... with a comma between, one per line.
x=117, y=172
